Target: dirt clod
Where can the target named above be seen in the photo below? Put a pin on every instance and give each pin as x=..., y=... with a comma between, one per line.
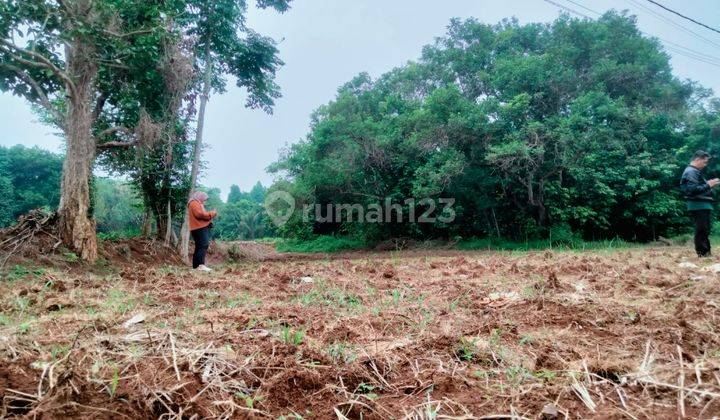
x=549, y=412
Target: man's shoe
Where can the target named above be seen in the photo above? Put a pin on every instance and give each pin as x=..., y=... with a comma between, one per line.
x=203, y=267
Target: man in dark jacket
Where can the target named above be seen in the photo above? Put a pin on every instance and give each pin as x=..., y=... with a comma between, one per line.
x=697, y=191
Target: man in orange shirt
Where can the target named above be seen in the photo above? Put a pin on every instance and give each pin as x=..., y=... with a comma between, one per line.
x=200, y=224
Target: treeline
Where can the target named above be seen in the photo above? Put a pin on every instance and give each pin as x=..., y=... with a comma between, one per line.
x=30, y=179
x=575, y=128
x=241, y=216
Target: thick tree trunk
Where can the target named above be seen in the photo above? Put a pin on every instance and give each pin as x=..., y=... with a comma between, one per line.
x=77, y=228
x=184, y=247
x=160, y=225
x=168, y=227
x=146, y=229
x=542, y=211
x=168, y=187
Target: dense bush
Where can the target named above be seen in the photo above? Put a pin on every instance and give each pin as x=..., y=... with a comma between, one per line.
x=322, y=243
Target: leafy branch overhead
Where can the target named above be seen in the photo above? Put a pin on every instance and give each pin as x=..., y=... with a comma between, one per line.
x=223, y=41
x=37, y=36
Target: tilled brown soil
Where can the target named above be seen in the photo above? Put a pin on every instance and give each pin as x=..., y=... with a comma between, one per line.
x=609, y=334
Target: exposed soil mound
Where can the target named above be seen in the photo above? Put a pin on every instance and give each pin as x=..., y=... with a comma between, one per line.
x=34, y=240
x=139, y=250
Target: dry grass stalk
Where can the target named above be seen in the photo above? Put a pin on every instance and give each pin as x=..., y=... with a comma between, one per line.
x=681, y=383
x=174, y=357
x=584, y=395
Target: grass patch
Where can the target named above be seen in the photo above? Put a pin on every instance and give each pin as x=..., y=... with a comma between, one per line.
x=466, y=349
x=19, y=272
x=243, y=299
x=342, y=352
x=119, y=301
x=292, y=337
x=563, y=241
x=715, y=240
x=322, y=243
x=332, y=296
x=500, y=244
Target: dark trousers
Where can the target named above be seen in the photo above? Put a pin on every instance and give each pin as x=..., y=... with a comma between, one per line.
x=702, y=231
x=201, y=237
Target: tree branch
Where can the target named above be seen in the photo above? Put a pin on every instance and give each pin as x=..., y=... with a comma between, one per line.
x=44, y=100
x=127, y=34
x=113, y=144
x=64, y=5
x=99, y=104
x=42, y=61
x=115, y=129
x=110, y=63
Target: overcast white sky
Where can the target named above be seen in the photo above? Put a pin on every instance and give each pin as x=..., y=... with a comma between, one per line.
x=327, y=42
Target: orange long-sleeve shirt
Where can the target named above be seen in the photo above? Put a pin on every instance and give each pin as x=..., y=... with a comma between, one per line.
x=199, y=218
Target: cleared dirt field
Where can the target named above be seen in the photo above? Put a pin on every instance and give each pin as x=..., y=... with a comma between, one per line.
x=447, y=334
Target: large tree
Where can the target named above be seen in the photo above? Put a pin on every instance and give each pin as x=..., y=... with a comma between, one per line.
x=224, y=45
x=51, y=53
x=158, y=102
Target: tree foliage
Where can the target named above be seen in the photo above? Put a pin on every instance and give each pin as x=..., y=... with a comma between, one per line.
x=29, y=179
x=118, y=208
x=576, y=125
x=60, y=56
x=243, y=217
x=223, y=41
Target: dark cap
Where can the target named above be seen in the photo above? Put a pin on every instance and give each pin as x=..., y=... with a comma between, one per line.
x=701, y=154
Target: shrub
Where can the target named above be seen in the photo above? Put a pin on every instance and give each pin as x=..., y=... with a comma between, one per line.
x=321, y=243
